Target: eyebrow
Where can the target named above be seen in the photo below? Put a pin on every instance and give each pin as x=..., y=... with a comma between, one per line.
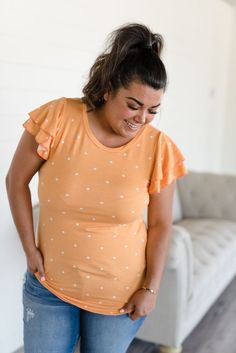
x=140, y=103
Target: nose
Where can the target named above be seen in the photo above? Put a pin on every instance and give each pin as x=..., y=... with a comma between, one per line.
x=140, y=118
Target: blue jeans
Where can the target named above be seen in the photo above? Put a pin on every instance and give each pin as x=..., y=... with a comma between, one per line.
x=54, y=326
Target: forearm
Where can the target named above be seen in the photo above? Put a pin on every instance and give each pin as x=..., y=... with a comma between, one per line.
x=19, y=197
x=158, y=241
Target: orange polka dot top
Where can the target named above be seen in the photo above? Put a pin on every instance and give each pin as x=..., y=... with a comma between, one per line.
x=92, y=198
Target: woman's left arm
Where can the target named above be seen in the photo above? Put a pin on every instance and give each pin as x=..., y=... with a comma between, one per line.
x=158, y=241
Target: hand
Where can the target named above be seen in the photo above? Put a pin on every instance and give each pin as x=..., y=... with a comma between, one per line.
x=140, y=304
x=35, y=263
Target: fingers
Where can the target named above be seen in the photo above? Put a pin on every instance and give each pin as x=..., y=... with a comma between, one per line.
x=41, y=272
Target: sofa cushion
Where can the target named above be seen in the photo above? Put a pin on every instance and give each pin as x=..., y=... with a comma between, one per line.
x=213, y=243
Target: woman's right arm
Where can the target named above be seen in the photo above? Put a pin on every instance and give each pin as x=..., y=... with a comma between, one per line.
x=25, y=164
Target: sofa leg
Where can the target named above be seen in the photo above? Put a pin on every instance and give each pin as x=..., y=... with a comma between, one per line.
x=168, y=349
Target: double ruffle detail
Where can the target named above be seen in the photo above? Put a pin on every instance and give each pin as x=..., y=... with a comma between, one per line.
x=44, y=123
x=168, y=166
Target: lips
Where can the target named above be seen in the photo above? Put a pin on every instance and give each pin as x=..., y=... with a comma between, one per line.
x=132, y=126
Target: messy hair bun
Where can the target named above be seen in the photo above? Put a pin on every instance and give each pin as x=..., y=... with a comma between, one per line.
x=132, y=53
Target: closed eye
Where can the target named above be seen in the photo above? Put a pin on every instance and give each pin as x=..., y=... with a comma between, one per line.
x=134, y=108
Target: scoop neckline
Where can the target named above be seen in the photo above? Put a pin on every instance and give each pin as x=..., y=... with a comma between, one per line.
x=98, y=143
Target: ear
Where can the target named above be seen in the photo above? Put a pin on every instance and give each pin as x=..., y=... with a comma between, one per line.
x=105, y=96
x=108, y=92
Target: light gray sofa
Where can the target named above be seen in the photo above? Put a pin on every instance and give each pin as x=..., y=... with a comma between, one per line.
x=201, y=260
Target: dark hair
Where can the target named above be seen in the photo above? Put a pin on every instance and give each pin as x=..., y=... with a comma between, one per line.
x=132, y=53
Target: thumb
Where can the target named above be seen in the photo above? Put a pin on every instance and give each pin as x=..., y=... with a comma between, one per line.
x=126, y=308
x=41, y=272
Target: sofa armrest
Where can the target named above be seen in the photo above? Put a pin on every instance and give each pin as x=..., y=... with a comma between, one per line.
x=165, y=323
x=208, y=195
x=181, y=244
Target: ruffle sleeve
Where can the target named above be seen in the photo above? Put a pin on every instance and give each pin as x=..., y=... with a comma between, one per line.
x=43, y=124
x=168, y=164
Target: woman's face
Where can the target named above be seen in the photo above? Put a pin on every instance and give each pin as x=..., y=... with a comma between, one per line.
x=130, y=109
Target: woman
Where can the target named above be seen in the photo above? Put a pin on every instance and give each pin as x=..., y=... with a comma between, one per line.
x=95, y=270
